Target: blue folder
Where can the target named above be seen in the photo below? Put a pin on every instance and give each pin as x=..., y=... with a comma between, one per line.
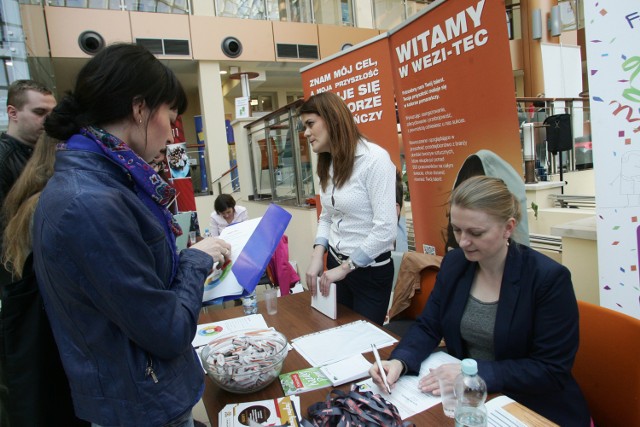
x=252, y=261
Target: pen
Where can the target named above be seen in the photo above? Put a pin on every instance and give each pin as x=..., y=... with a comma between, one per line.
x=379, y=362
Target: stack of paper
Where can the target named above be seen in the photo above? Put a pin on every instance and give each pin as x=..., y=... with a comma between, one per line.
x=347, y=370
x=346, y=340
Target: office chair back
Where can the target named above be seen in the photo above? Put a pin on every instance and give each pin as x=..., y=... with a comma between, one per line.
x=607, y=367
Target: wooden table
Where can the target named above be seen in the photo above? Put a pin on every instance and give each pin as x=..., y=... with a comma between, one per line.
x=295, y=318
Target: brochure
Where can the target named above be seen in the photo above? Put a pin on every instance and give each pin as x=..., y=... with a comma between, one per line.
x=303, y=380
x=271, y=412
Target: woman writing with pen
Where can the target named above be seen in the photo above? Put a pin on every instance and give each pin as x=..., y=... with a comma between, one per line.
x=507, y=306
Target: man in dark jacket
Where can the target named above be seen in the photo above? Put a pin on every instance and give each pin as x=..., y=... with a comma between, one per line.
x=28, y=104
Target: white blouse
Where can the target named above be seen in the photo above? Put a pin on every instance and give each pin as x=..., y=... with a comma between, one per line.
x=217, y=223
x=359, y=219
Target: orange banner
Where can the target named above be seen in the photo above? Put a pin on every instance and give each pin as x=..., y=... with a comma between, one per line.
x=455, y=93
x=362, y=78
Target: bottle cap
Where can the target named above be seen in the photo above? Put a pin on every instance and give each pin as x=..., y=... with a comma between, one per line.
x=469, y=367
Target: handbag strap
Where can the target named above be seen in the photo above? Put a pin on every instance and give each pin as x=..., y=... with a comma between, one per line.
x=354, y=409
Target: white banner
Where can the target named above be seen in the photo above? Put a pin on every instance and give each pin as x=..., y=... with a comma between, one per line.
x=613, y=62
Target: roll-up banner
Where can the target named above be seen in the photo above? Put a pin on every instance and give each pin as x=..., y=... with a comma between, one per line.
x=362, y=77
x=613, y=58
x=454, y=88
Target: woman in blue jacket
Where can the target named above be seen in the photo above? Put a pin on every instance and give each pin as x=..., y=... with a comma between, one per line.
x=507, y=306
x=122, y=302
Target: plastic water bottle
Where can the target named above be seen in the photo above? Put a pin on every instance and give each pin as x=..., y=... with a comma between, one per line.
x=207, y=233
x=471, y=392
x=250, y=303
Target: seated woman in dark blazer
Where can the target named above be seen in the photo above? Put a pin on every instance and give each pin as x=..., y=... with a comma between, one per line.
x=507, y=306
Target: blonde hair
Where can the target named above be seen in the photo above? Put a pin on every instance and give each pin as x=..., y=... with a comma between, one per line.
x=489, y=195
x=20, y=204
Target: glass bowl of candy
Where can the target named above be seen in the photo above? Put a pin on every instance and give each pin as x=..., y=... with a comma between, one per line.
x=245, y=361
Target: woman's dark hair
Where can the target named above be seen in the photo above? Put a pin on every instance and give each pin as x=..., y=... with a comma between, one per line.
x=343, y=136
x=108, y=85
x=224, y=202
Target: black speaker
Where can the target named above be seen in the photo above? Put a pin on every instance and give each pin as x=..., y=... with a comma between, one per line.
x=90, y=42
x=559, y=134
x=232, y=47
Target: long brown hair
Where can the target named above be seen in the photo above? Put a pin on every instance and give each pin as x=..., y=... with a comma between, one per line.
x=343, y=137
x=20, y=204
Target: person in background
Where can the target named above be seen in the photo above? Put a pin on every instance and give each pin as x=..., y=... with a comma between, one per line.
x=358, y=222
x=402, y=244
x=28, y=103
x=226, y=213
x=39, y=392
x=122, y=302
x=503, y=304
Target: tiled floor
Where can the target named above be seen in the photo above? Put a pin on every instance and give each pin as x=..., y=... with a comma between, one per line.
x=200, y=414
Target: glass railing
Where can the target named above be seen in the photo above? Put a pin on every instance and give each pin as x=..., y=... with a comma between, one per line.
x=280, y=158
x=536, y=111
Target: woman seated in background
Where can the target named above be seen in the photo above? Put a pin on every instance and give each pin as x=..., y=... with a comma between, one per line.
x=507, y=306
x=226, y=213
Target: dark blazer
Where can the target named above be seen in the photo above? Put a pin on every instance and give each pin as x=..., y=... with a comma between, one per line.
x=535, y=335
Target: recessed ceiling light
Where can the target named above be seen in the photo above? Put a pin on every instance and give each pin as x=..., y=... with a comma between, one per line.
x=223, y=71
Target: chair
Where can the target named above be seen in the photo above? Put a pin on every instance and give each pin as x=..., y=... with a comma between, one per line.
x=606, y=365
x=415, y=281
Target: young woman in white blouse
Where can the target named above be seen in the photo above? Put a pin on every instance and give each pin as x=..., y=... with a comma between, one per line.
x=358, y=222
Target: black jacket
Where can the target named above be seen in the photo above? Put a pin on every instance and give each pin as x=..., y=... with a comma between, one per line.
x=13, y=156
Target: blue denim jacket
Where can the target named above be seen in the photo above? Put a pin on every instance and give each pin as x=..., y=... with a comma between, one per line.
x=123, y=328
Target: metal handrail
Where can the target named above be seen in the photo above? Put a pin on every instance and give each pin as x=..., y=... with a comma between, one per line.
x=225, y=173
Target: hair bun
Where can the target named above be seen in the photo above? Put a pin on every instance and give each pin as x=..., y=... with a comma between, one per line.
x=65, y=119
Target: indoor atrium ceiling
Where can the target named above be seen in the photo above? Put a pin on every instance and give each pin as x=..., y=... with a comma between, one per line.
x=279, y=75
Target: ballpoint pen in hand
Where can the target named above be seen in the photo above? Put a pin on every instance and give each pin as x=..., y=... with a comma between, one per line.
x=380, y=367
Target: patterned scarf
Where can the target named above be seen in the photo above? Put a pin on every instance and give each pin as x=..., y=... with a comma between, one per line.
x=150, y=188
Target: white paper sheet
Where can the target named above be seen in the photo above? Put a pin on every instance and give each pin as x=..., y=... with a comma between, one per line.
x=332, y=345
x=406, y=395
x=209, y=331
